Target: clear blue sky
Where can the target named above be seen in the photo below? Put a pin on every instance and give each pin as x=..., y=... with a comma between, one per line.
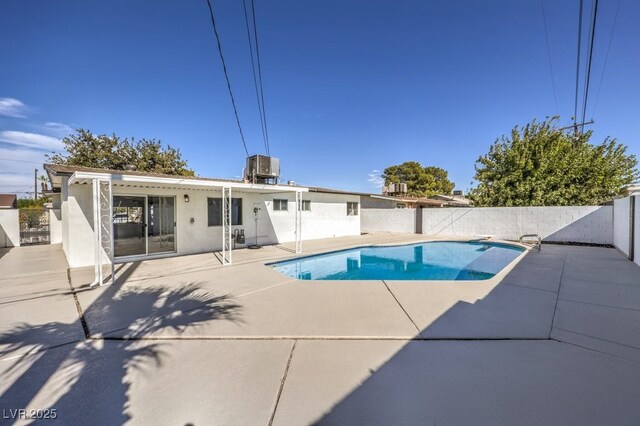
x=350, y=86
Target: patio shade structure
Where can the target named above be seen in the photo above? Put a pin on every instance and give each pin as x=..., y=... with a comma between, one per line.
x=105, y=184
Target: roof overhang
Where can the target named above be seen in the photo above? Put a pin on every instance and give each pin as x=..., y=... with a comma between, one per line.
x=178, y=183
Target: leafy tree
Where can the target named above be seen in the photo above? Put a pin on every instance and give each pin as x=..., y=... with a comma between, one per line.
x=421, y=181
x=541, y=165
x=112, y=152
x=25, y=203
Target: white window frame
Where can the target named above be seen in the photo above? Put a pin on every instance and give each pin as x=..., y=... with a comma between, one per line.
x=350, y=210
x=279, y=202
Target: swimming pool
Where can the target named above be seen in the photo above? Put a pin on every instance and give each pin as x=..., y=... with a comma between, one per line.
x=436, y=260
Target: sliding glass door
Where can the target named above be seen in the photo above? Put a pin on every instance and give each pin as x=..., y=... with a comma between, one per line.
x=129, y=226
x=143, y=225
x=161, y=229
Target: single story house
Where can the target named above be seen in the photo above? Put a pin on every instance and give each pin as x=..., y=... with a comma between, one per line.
x=111, y=216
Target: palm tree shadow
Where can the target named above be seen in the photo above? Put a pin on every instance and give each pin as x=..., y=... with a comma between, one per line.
x=92, y=379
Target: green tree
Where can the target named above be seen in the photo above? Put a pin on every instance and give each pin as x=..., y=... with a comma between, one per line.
x=541, y=165
x=25, y=203
x=83, y=148
x=421, y=181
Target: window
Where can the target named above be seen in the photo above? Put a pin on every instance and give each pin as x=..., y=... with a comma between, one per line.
x=280, y=205
x=401, y=206
x=352, y=208
x=306, y=205
x=214, y=211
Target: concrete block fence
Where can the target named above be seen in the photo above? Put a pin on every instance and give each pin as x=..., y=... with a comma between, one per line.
x=587, y=224
x=636, y=237
x=388, y=220
x=618, y=225
x=584, y=224
x=626, y=224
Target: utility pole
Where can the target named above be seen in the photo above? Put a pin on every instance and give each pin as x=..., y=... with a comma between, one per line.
x=35, y=184
x=576, y=126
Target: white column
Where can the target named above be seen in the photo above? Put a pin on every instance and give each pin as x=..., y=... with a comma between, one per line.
x=106, y=221
x=102, y=228
x=298, y=224
x=226, y=226
x=97, y=237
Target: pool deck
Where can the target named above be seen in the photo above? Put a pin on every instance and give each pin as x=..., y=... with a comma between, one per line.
x=553, y=339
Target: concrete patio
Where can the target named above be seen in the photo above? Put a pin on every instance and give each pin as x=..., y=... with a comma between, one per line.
x=553, y=339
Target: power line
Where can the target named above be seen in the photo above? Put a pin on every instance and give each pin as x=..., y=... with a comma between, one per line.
x=594, y=13
x=255, y=78
x=255, y=35
x=226, y=76
x=606, y=58
x=575, y=105
x=546, y=36
x=20, y=161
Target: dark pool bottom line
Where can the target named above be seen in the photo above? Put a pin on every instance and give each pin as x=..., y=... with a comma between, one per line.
x=436, y=260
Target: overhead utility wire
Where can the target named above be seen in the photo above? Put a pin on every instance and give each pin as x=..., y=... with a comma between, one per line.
x=255, y=78
x=585, y=99
x=575, y=105
x=255, y=35
x=606, y=57
x=546, y=36
x=20, y=161
x=226, y=75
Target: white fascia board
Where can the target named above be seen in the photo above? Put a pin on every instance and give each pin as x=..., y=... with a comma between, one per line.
x=78, y=177
x=386, y=197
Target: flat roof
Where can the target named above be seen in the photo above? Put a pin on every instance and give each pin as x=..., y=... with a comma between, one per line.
x=82, y=174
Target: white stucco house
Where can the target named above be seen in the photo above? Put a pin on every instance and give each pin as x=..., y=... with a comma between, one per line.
x=111, y=216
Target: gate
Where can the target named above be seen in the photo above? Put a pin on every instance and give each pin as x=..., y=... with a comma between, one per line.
x=34, y=226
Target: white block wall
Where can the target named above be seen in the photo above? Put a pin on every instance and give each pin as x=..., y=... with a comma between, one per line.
x=589, y=224
x=637, y=233
x=55, y=226
x=388, y=220
x=621, y=224
x=9, y=228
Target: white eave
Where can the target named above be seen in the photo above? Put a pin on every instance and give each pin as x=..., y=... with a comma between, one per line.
x=178, y=183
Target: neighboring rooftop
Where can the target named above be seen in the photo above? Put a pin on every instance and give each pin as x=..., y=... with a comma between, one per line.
x=8, y=201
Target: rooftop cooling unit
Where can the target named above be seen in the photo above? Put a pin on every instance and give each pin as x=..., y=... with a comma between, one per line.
x=262, y=169
x=397, y=188
x=391, y=188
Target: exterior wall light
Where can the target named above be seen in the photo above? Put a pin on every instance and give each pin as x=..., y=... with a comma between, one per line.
x=186, y=198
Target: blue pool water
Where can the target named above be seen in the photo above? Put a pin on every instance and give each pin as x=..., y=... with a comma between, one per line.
x=438, y=260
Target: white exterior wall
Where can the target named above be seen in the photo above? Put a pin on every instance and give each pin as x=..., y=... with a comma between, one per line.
x=55, y=226
x=79, y=245
x=389, y=220
x=637, y=232
x=621, y=224
x=588, y=224
x=64, y=209
x=9, y=228
x=327, y=218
